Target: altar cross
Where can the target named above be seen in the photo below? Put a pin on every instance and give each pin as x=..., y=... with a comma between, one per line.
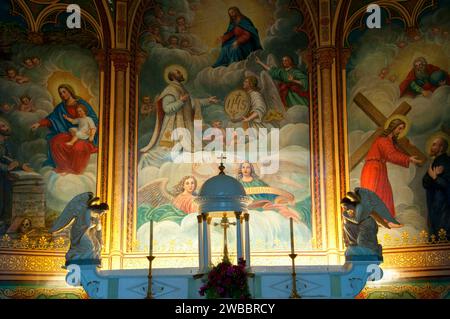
x=225, y=224
x=379, y=119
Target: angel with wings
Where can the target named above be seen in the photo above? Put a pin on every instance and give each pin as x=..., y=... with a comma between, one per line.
x=162, y=201
x=85, y=234
x=362, y=210
x=292, y=82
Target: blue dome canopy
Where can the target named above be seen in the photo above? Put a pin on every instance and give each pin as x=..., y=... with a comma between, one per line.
x=222, y=193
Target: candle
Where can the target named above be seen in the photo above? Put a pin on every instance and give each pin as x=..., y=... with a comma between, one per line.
x=151, y=238
x=292, y=234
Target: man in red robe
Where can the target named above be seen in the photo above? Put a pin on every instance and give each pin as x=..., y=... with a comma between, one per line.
x=374, y=175
x=423, y=79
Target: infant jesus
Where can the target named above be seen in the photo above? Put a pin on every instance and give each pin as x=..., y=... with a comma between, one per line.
x=86, y=127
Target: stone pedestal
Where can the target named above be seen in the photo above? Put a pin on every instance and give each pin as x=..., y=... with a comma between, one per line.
x=28, y=200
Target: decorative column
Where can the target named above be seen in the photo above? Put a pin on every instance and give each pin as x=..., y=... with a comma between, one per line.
x=102, y=60
x=247, y=239
x=329, y=154
x=200, y=244
x=206, y=242
x=118, y=155
x=238, y=235
x=208, y=235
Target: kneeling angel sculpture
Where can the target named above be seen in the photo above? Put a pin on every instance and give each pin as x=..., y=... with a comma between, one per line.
x=85, y=235
x=362, y=211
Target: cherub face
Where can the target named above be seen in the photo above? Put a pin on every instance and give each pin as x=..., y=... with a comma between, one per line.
x=146, y=99
x=173, y=41
x=28, y=62
x=181, y=21
x=6, y=107
x=189, y=185
x=81, y=112
x=36, y=60
x=4, y=127
x=25, y=100
x=11, y=73
x=185, y=44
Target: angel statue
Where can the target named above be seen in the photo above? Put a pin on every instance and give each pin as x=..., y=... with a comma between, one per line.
x=362, y=211
x=86, y=232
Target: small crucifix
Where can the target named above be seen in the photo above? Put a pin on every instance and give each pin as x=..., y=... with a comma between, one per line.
x=225, y=224
x=222, y=167
x=376, y=116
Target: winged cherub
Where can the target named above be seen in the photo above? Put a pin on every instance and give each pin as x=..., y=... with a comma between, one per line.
x=86, y=231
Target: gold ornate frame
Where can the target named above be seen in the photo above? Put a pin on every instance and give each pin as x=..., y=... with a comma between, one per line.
x=327, y=25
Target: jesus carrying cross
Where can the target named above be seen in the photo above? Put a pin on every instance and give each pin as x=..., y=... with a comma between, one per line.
x=387, y=144
x=374, y=175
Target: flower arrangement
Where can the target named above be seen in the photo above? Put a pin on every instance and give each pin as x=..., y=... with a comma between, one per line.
x=226, y=280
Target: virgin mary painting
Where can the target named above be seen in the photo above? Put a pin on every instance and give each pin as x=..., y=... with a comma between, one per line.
x=66, y=158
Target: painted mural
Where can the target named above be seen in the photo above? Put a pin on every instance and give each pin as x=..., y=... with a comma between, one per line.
x=399, y=123
x=211, y=67
x=49, y=122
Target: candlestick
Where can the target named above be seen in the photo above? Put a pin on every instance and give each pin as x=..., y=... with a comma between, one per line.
x=151, y=239
x=292, y=234
x=150, y=258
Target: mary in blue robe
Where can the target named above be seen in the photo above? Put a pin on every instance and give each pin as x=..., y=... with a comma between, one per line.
x=66, y=158
x=240, y=39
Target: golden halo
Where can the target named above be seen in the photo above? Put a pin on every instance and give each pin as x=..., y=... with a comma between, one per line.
x=174, y=67
x=400, y=117
x=433, y=137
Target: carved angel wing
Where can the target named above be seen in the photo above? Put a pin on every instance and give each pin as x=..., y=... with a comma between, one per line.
x=78, y=205
x=375, y=207
x=155, y=193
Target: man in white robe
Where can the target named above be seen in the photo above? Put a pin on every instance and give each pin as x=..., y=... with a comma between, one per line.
x=175, y=109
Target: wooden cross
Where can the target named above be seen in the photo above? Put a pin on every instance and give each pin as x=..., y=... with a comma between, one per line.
x=376, y=116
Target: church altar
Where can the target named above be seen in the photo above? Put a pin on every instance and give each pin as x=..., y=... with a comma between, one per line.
x=273, y=282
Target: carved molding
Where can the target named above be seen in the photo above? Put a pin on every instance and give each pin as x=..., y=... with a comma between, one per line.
x=33, y=293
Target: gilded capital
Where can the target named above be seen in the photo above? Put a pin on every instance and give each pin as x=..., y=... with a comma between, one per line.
x=325, y=57
x=121, y=59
